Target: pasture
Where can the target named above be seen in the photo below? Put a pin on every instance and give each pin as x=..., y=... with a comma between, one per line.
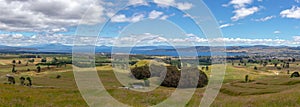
x=268, y=87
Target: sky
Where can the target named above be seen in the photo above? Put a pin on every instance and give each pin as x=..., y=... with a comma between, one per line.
x=151, y=22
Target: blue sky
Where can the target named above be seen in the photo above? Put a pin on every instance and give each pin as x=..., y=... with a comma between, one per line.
x=242, y=22
x=253, y=26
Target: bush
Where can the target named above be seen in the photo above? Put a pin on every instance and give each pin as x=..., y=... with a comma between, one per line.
x=295, y=74
x=141, y=72
x=173, y=76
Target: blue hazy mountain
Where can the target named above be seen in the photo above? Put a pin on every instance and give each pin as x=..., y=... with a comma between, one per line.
x=60, y=48
x=144, y=50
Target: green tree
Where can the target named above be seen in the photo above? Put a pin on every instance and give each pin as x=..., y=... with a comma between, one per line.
x=44, y=60
x=14, y=69
x=38, y=69
x=255, y=68
x=13, y=61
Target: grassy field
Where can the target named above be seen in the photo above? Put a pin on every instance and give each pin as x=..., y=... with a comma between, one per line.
x=268, y=88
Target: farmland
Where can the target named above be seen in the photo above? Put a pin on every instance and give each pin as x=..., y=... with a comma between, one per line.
x=267, y=86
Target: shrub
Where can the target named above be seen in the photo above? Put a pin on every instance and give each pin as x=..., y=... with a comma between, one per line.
x=295, y=74
x=141, y=72
x=173, y=76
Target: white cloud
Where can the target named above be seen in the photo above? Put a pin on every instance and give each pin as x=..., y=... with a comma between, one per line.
x=55, y=30
x=226, y=25
x=251, y=41
x=137, y=18
x=119, y=18
x=240, y=9
x=294, y=12
x=184, y=6
x=19, y=39
x=3, y=36
x=17, y=36
x=243, y=12
x=142, y=39
x=277, y=32
x=165, y=2
x=164, y=17
x=155, y=14
x=135, y=2
x=259, y=0
x=123, y=18
x=179, y=5
x=240, y=3
x=264, y=19
x=296, y=38
x=297, y=1
x=41, y=15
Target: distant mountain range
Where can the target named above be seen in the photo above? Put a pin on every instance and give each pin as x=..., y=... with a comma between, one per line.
x=154, y=50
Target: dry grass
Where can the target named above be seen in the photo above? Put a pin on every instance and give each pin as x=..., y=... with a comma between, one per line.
x=267, y=89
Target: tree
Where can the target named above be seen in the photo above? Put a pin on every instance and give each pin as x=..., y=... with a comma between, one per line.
x=22, y=81
x=31, y=60
x=44, y=60
x=246, y=78
x=293, y=60
x=265, y=64
x=295, y=74
x=14, y=69
x=38, y=69
x=255, y=68
x=141, y=72
x=188, y=78
x=11, y=80
x=13, y=61
x=58, y=76
x=287, y=65
x=29, y=81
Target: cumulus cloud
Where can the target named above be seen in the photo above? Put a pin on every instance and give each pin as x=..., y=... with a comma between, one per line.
x=264, y=19
x=184, y=6
x=243, y=12
x=123, y=18
x=21, y=40
x=165, y=2
x=277, y=32
x=235, y=41
x=294, y=13
x=179, y=5
x=38, y=15
x=17, y=36
x=240, y=3
x=155, y=14
x=135, y=39
x=226, y=25
x=135, y=2
x=120, y=18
